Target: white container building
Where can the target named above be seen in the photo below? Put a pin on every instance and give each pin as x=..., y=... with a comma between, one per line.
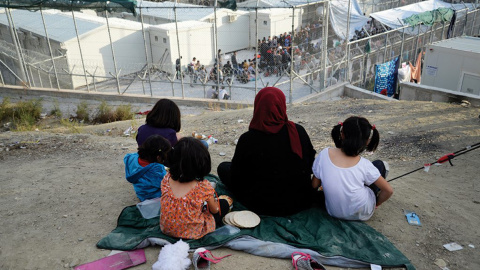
x=94, y=40
x=453, y=64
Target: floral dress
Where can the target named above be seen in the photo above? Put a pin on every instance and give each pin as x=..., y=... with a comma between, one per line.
x=186, y=217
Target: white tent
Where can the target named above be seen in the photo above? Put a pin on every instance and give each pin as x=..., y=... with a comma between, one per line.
x=394, y=17
x=339, y=17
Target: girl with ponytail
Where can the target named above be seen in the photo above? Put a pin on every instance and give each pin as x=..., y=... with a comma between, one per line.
x=352, y=185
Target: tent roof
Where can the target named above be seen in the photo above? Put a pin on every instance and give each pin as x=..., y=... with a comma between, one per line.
x=339, y=14
x=392, y=17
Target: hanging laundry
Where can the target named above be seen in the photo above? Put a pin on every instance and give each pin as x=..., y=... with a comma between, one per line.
x=386, y=76
x=417, y=69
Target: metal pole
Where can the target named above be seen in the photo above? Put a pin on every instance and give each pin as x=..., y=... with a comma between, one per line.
x=49, y=48
x=113, y=52
x=401, y=53
x=443, y=31
x=80, y=48
x=217, y=55
x=256, y=50
x=473, y=21
x=178, y=46
x=432, y=33
x=40, y=78
x=31, y=75
x=416, y=44
x=23, y=76
x=385, y=51
x=466, y=19
x=146, y=51
x=347, y=45
x=325, y=41
x=290, y=94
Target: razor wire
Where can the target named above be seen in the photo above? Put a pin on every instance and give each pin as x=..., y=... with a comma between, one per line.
x=316, y=65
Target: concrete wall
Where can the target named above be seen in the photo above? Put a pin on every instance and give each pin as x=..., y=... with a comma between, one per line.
x=412, y=91
x=74, y=97
x=343, y=90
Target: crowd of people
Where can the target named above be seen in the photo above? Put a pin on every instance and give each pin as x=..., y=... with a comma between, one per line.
x=273, y=160
x=274, y=58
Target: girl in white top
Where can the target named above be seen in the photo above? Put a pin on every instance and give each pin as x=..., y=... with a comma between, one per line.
x=353, y=186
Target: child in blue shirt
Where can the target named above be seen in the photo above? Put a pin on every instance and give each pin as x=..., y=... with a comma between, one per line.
x=145, y=170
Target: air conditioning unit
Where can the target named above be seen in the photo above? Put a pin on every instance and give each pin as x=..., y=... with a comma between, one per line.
x=232, y=18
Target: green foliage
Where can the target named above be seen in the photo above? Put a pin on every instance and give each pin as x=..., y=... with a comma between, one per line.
x=56, y=110
x=6, y=109
x=124, y=112
x=82, y=112
x=104, y=114
x=72, y=125
x=23, y=114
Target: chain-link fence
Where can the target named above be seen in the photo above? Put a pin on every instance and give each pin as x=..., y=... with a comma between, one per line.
x=200, y=51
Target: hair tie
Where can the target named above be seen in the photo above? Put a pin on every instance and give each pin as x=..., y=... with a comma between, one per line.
x=340, y=123
x=159, y=150
x=373, y=127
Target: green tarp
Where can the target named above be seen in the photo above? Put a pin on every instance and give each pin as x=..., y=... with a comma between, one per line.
x=430, y=17
x=99, y=5
x=311, y=229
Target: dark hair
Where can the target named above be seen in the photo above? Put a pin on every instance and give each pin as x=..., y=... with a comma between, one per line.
x=189, y=160
x=165, y=114
x=356, y=133
x=153, y=147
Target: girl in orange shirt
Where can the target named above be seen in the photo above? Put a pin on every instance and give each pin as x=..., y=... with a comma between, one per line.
x=189, y=209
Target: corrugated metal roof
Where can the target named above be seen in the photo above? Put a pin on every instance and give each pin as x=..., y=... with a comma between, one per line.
x=466, y=44
x=185, y=12
x=60, y=26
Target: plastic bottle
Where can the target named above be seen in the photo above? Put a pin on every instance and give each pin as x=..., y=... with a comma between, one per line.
x=211, y=140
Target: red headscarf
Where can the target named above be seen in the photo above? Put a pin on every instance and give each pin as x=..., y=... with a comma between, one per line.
x=270, y=115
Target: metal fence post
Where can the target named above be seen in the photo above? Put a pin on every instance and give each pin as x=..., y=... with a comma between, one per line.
x=386, y=47
x=347, y=45
x=325, y=42
x=23, y=73
x=217, y=55
x=256, y=50
x=416, y=44
x=81, y=54
x=113, y=51
x=473, y=21
x=290, y=94
x=50, y=49
x=178, y=46
x=146, y=51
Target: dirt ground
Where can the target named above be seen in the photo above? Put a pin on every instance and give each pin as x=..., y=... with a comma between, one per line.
x=62, y=189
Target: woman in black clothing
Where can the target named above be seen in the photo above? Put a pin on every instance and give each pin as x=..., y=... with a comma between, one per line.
x=271, y=169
